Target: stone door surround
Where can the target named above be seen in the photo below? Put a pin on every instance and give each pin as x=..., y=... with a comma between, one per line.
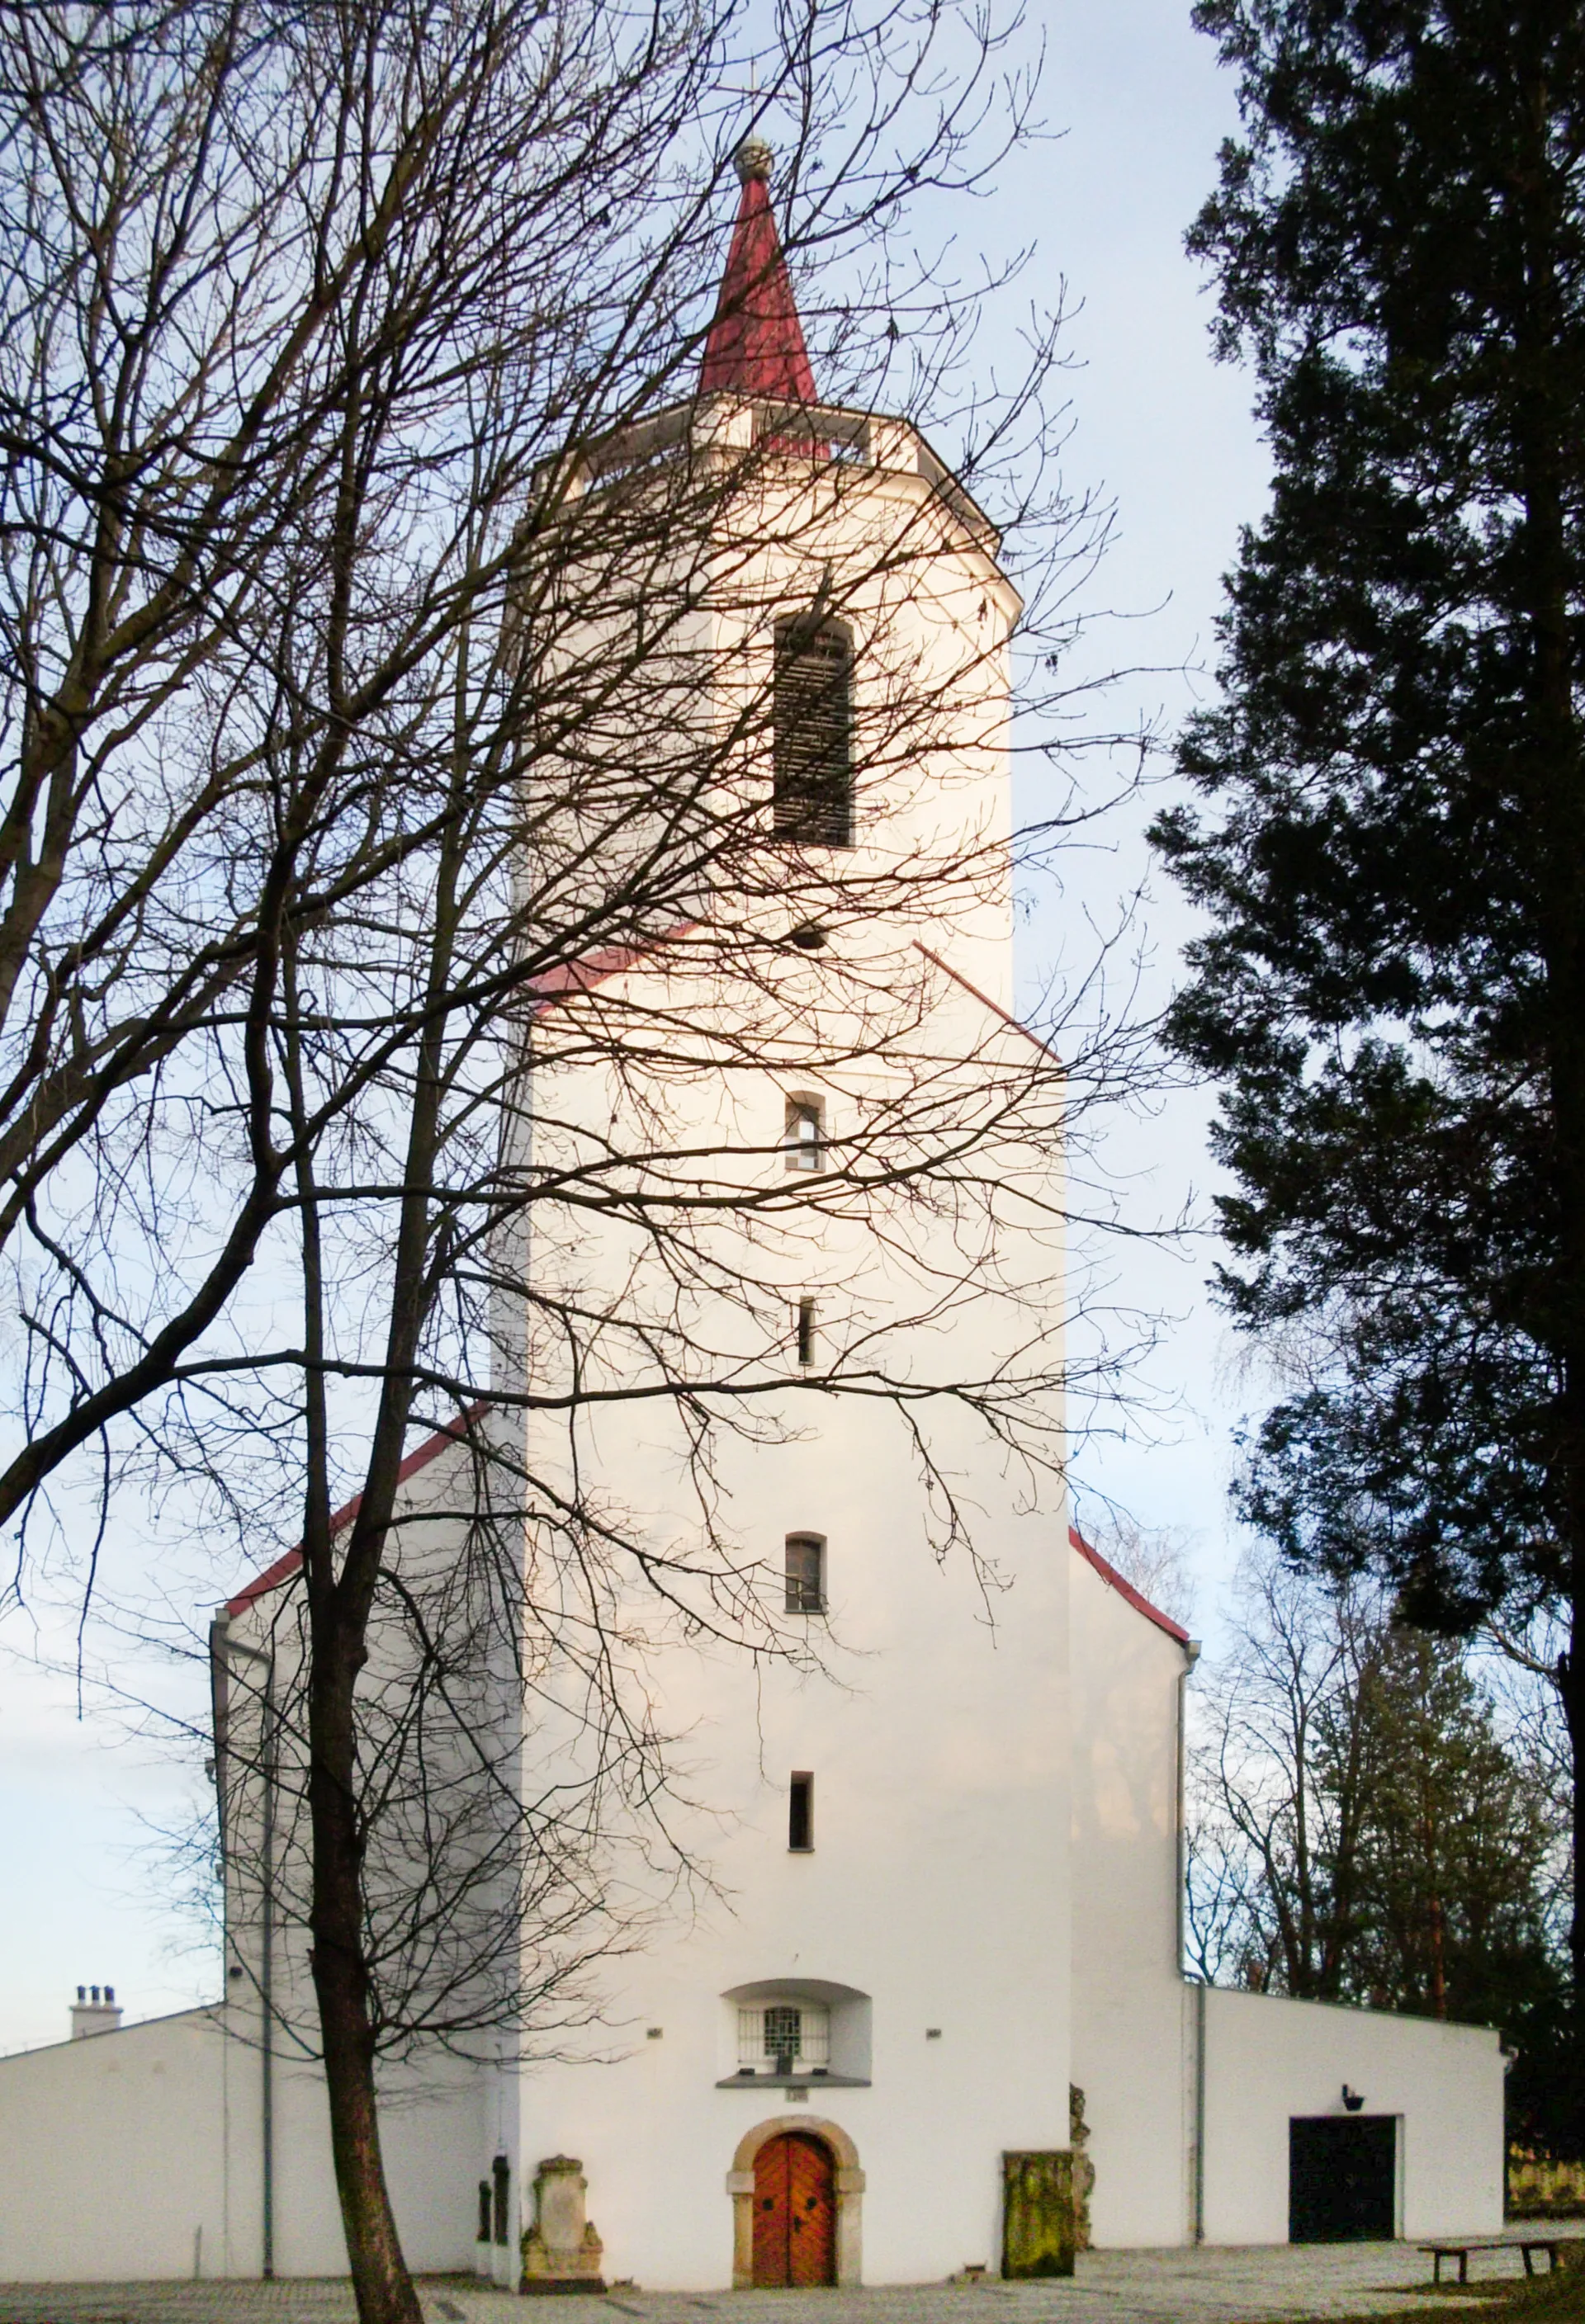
x=850, y=2187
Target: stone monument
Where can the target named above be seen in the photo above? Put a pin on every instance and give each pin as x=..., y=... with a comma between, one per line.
x=560, y=2251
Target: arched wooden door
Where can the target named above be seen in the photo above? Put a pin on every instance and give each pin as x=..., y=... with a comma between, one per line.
x=794, y=2212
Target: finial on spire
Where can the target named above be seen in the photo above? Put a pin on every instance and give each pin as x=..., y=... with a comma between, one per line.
x=755, y=346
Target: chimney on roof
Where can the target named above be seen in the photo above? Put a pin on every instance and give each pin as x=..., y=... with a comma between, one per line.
x=755, y=346
x=91, y=2015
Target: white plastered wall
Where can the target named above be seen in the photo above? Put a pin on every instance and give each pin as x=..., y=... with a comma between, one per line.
x=934, y=1889
x=937, y=1735
x=1267, y=2059
x=1129, y=1995
x=113, y=2154
x=137, y=2156
x=443, y=2118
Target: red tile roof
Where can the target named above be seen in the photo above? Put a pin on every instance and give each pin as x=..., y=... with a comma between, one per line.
x=755, y=344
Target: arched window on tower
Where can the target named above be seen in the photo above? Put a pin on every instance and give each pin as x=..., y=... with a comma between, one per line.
x=812, y=720
x=805, y=1570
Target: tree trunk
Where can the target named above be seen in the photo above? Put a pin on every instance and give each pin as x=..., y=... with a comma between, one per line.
x=1573, y=1699
x=380, y=2276
x=1552, y=780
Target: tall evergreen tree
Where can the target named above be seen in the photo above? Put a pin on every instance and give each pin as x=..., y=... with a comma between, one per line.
x=1455, y=1845
x=1391, y=844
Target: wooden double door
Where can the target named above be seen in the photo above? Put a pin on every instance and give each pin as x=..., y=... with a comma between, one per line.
x=794, y=2212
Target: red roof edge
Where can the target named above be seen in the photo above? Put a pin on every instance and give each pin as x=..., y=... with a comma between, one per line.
x=430, y=1450
x=1126, y=1590
x=995, y=1007
x=577, y=975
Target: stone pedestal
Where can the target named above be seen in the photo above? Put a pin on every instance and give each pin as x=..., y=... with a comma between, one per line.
x=560, y=2251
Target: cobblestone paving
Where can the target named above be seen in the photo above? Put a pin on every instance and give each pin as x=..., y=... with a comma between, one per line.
x=1268, y=2286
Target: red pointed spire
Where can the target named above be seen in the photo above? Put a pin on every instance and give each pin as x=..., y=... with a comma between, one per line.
x=755, y=343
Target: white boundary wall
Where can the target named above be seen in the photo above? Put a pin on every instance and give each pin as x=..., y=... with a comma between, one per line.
x=1267, y=2059
x=113, y=2154
x=137, y=2156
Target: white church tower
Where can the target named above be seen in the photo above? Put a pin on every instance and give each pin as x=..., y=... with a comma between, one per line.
x=835, y=2046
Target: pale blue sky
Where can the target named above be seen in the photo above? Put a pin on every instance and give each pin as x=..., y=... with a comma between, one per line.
x=1165, y=433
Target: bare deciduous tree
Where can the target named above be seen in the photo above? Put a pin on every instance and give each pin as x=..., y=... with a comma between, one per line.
x=1278, y=1788
x=390, y=641
x=1372, y=1822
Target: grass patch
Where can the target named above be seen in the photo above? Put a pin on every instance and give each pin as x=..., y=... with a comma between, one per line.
x=1552, y=2298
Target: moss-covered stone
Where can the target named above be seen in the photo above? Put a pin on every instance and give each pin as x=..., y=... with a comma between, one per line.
x=1038, y=2226
x=1083, y=2168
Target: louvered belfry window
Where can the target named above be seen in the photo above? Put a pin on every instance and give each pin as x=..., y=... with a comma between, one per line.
x=812, y=715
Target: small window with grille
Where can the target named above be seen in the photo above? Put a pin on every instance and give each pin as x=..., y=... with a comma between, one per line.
x=800, y=1814
x=785, y=2037
x=812, y=725
x=805, y=1556
x=803, y=1141
x=806, y=1351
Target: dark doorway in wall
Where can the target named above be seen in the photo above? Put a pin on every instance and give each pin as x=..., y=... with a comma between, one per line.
x=1342, y=2178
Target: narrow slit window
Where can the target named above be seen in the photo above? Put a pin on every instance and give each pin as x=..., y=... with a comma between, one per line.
x=803, y=1144
x=812, y=725
x=806, y=1332
x=800, y=1814
x=806, y=1573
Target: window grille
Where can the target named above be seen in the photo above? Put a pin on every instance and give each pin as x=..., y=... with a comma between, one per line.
x=786, y=2037
x=812, y=722
x=784, y=2030
x=805, y=1554
x=803, y=1144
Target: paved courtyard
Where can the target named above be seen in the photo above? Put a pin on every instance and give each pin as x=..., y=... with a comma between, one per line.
x=1151, y=2287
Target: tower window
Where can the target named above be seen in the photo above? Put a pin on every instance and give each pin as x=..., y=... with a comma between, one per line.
x=806, y=1577
x=804, y=1144
x=800, y=1814
x=806, y=1332
x=812, y=722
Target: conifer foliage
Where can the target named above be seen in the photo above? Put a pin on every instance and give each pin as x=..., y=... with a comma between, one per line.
x=1375, y=1815
x=1389, y=844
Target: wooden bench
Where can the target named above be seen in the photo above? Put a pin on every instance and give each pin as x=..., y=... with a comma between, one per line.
x=1525, y=2244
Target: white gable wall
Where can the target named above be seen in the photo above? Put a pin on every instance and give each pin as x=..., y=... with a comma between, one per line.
x=1129, y=1994
x=1137, y=2025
